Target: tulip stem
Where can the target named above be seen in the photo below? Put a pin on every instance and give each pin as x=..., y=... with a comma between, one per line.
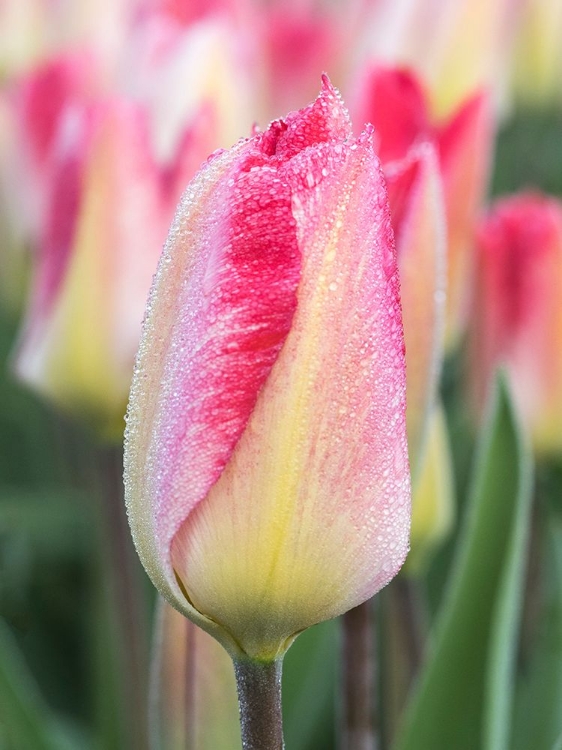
x=259, y=700
x=359, y=666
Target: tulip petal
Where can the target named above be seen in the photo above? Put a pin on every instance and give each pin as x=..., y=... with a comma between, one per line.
x=81, y=352
x=323, y=448
x=393, y=100
x=416, y=203
x=465, y=145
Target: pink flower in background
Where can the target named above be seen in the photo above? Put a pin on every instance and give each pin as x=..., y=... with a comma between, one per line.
x=395, y=102
x=104, y=221
x=517, y=314
x=457, y=47
x=409, y=148
x=266, y=462
x=39, y=102
x=98, y=169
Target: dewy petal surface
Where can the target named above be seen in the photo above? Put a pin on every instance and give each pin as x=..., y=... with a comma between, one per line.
x=310, y=512
x=266, y=462
x=416, y=203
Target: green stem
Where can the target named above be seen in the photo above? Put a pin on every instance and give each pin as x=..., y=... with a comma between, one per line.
x=124, y=586
x=358, y=656
x=259, y=699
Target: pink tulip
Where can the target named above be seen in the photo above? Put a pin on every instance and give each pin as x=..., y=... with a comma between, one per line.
x=104, y=221
x=396, y=103
x=39, y=101
x=457, y=47
x=266, y=464
x=517, y=315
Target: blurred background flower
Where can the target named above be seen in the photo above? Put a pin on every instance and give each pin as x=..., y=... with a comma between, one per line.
x=517, y=320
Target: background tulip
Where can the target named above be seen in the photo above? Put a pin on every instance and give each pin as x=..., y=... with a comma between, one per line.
x=433, y=502
x=471, y=42
x=82, y=329
x=395, y=101
x=517, y=315
x=281, y=496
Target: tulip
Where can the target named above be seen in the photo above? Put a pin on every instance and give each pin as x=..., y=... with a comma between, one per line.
x=266, y=466
x=32, y=30
x=96, y=258
x=39, y=101
x=396, y=103
x=517, y=316
x=417, y=210
x=181, y=69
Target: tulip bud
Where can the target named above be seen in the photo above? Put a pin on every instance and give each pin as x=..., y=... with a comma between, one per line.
x=266, y=466
x=517, y=316
x=96, y=260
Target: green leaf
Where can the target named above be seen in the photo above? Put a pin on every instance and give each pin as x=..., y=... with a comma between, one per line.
x=538, y=719
x=25, y=720
x=463, y=699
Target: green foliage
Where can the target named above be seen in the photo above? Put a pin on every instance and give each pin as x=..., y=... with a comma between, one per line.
x=25, y=721
x=465, y=691
x=538, y=719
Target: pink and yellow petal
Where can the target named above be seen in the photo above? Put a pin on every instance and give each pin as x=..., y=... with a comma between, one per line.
x=226, y=532
x=416, y=203
x=311, y=511
x=80, y=348
x=234, y=304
